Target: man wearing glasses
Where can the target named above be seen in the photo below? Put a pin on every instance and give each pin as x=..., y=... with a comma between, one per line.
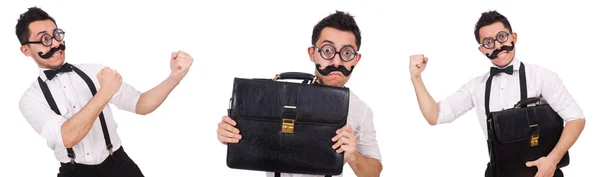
x=335, y=42
x=68, y=103
x=497, y=42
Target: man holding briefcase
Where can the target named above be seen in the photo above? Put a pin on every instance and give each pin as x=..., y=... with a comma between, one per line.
x=509, y=81
x=336, y=40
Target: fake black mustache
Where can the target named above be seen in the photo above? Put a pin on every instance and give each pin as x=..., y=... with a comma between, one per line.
x=497, y=51
x=52, y=51
x=331, y=68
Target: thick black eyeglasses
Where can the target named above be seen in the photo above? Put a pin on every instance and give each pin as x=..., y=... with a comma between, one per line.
x=490, y=43
x=328, y=52
x=46, y=39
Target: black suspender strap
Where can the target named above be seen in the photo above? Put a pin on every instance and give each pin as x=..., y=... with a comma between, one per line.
x=92, y=87
x=54, y=107
x=488, y=86
x=278, y=174
x=522, y=83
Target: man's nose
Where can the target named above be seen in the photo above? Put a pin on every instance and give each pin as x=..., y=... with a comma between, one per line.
x=337, y=60
x=497, y=45
x=55, y=43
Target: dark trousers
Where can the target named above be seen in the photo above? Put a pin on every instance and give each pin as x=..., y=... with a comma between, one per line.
x=488, y=172
x=116, y=165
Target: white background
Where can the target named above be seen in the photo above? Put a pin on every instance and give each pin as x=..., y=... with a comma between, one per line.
x=260, y=39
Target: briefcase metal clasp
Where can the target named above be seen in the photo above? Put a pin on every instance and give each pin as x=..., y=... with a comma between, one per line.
x=534, y=140
x=287, y=125
x=534, y=137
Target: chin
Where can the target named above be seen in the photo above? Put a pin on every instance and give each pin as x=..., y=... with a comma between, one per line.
x=334, y=82
x=57, y=62
x=52, y=63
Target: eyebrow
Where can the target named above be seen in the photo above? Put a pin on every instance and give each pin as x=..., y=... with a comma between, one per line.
x=348, y=45
x=331, y=42
x=41, y=32
x=328, y=41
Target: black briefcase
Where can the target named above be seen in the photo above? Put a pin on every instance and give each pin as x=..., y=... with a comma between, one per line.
x=521, y=134
x=287, y=127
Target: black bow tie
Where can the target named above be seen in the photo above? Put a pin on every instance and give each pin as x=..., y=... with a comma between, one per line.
x=64, y=68
x=508, y=70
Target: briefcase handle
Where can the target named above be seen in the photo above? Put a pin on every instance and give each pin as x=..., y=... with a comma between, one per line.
x=296, y=75
x=525, y=102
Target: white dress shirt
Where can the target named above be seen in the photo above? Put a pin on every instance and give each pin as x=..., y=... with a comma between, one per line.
x=71, y=93
x=360, y=118
x=505, y=92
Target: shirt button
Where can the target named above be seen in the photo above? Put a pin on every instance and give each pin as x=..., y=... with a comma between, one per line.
x=64, y=86
x=73, y=106
x=87, y=153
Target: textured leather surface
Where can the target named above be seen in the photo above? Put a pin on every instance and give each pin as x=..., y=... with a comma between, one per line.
x=510, y=136
x=512, y=125
x=257, y=105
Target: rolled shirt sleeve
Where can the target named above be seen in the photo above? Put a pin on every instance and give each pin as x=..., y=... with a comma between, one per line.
x=558, y=97
x=457, y=103
x=366, y=142
x=126, y=98
x=43, y=120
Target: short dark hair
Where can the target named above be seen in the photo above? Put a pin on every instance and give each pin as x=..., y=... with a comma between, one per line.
x=33, y=14
x=339, y=20
x=489, y=17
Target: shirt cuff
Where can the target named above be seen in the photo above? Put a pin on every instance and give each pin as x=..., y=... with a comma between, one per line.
x=445, y=112
x=571, y=115
x=135, y=98
x=56, y=138
x=127, y=99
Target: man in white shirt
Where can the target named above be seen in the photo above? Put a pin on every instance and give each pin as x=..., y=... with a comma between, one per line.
x=335, y=42
x=77, y=125
x=497, y=41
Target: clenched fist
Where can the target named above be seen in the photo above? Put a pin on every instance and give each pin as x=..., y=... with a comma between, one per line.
x=417, y=65
x=180, y=64
x=110, y=80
